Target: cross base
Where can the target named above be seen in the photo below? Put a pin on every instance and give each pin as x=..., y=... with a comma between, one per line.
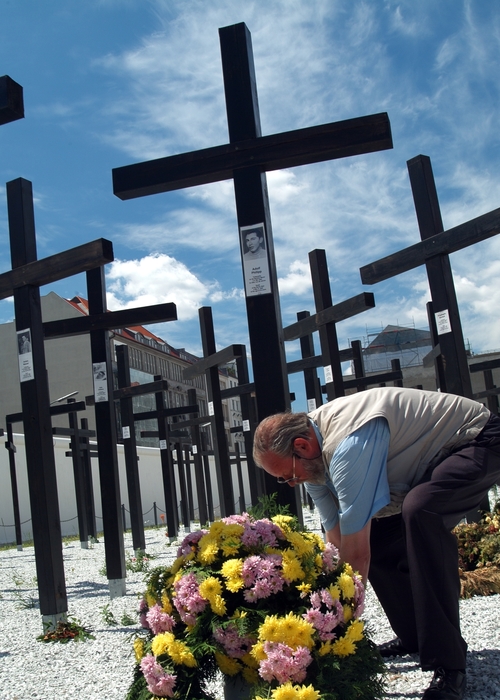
x=49, y=622
x=117, y=588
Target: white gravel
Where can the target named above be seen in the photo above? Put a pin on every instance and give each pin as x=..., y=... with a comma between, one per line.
x=101, y=669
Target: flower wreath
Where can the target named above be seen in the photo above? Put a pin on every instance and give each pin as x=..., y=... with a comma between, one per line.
x=263, y=601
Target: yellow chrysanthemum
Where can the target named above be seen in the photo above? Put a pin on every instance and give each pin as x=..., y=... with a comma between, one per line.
x=177, y=565
x=334, y=591
x=292, y=570
x=291, y=630
x=138, y=648
x=250, y=675
x=355, y=631
x=317, y=540
x=218, y=605
x=307, y=692
x=250, y=660
x=210, y=587
x=346, y=585
x=284, y=692
x=150, y=599
x=283, y=521
x=161, y=643
x=304, y=588
x=181, y=654
x=348, y=569
x=300, y=542
x=165, y=603
x=325, y=648
x=227, y=665
x=208, y=552
x=343, y=647
x=231, y=570
x=347, y=612
x=318, y=560
x=257, y=651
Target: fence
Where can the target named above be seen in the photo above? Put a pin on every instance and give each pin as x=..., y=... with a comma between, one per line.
x=150, y=479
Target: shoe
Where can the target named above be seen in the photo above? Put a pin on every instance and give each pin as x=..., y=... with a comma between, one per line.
x=446, y=685
x=393, y=648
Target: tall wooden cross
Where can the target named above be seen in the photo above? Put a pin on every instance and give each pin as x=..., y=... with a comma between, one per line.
x=433, y=252
x=245, y=159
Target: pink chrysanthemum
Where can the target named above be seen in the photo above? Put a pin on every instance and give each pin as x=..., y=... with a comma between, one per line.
x=159, y=683
x=158, y=620
x=284, y=663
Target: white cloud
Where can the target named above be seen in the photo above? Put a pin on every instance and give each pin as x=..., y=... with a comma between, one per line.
x=155, y=279
x=297, y=281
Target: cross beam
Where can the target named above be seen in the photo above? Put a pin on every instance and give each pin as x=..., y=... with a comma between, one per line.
x=457, y=238
x=11, y=100
x=315, y=144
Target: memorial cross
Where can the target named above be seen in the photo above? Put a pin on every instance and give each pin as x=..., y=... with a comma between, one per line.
x=433, y=251
x=245, y=159
x=97, y=324
x=23, y=282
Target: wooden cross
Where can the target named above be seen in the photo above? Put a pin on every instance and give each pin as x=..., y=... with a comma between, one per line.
x=433, y=251
x=246, y=159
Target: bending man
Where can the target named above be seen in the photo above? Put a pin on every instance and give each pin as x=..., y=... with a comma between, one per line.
x=392, y=471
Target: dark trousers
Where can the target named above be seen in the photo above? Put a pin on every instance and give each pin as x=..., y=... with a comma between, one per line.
x=414, y=555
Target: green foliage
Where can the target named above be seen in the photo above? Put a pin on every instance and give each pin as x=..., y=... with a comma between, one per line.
x=25, y=600
x=479, y=543
x=267, y=507
x=139, y=562
x=108, y=617
x=126, y=620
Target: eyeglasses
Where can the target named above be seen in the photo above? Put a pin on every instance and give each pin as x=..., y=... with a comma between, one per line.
x=280, y=479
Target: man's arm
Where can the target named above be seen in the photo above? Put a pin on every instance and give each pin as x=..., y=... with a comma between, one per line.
x=354, y=549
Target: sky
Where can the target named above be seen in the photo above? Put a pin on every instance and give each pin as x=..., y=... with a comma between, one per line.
x=108, y=83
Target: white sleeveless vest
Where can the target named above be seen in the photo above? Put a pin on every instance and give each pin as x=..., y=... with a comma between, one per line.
x=425, y=427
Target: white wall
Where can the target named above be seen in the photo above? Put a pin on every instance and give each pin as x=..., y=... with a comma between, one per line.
x=150, y=479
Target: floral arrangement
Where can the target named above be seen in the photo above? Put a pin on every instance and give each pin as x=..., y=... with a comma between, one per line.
x=265, y=603
x=479, y=555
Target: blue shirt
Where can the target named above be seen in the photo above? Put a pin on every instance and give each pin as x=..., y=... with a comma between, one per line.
x=356, y=486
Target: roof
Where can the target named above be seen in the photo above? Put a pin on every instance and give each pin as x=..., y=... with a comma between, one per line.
x=399, y=338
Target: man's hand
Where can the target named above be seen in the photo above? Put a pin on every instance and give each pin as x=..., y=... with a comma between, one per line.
x=354, y=549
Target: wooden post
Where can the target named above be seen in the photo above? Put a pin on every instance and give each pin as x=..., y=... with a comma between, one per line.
x=130, y=450
x=105, y=419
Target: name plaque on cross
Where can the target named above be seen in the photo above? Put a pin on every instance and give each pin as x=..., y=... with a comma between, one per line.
x=100, y=382
x=26, y=369
x=255, y=259
x=443, y=322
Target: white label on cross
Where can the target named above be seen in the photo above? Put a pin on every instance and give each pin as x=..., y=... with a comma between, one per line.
x=163, y=444
x=125, y=432
x=194, y=449
x=328, y=374
x=443, y=322
x=246, y=426
x=211, y=411
x=311, y=404
x=100, y=382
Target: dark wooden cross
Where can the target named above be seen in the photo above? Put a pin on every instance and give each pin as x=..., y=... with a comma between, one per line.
x=23, y=282
x=433, y=251
x=246, y=159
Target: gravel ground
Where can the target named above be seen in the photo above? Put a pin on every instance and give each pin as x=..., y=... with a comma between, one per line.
x=101, y=669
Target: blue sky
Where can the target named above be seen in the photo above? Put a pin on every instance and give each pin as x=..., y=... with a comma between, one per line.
x=112, y=82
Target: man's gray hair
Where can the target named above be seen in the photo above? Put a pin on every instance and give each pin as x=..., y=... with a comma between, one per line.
x=276, y=434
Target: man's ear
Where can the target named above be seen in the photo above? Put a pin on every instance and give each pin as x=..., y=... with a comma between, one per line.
x=301, y=447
